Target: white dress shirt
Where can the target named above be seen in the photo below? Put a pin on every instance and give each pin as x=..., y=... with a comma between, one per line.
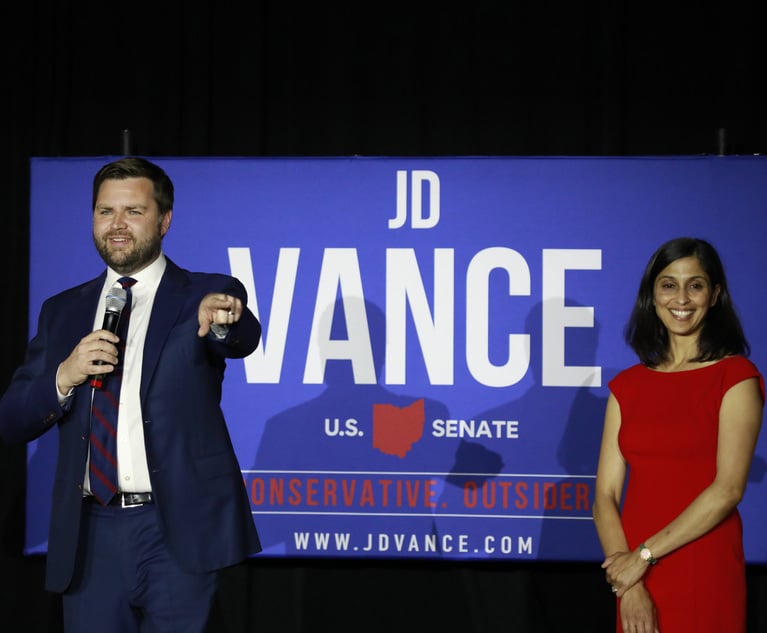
x=132, y=468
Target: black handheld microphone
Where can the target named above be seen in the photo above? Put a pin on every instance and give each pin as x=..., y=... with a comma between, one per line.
x=115, y=302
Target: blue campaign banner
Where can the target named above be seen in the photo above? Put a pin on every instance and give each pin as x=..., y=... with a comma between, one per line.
x=438, y=334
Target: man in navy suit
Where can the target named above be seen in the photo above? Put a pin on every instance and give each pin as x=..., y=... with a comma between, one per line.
x=148, y=559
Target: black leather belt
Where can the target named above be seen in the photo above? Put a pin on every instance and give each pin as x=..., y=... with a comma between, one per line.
x=127, y=499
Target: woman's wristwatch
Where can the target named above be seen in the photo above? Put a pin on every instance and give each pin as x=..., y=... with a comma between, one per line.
x=646, y=555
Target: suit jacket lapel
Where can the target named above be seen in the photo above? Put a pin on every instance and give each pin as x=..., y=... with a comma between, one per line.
x=88, y=302
x=168, y=303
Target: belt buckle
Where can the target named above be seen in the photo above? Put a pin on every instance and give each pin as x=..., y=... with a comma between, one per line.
x=125, y=504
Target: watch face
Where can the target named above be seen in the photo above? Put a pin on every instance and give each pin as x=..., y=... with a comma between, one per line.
x=646, y=554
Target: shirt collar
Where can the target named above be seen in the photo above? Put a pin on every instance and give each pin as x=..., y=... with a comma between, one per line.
x=148, y=277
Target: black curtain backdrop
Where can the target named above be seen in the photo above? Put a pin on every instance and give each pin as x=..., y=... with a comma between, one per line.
x=389, y=79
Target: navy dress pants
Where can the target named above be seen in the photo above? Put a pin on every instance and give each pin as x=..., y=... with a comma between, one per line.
x=127, y=582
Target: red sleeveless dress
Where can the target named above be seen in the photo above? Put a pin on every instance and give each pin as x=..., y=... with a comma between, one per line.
x=668, y=436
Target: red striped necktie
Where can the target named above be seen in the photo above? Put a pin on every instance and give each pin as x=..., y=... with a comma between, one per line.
x=105, y=404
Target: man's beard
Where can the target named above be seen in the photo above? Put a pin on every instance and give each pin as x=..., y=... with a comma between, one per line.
x=129, y=261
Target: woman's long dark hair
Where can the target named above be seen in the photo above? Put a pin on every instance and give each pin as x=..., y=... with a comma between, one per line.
x=721, y=334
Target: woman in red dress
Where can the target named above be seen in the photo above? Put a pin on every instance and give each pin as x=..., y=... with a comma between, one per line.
x=680, y=431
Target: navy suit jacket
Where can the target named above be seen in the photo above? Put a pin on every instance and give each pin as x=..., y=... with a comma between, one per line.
x=196, y=479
